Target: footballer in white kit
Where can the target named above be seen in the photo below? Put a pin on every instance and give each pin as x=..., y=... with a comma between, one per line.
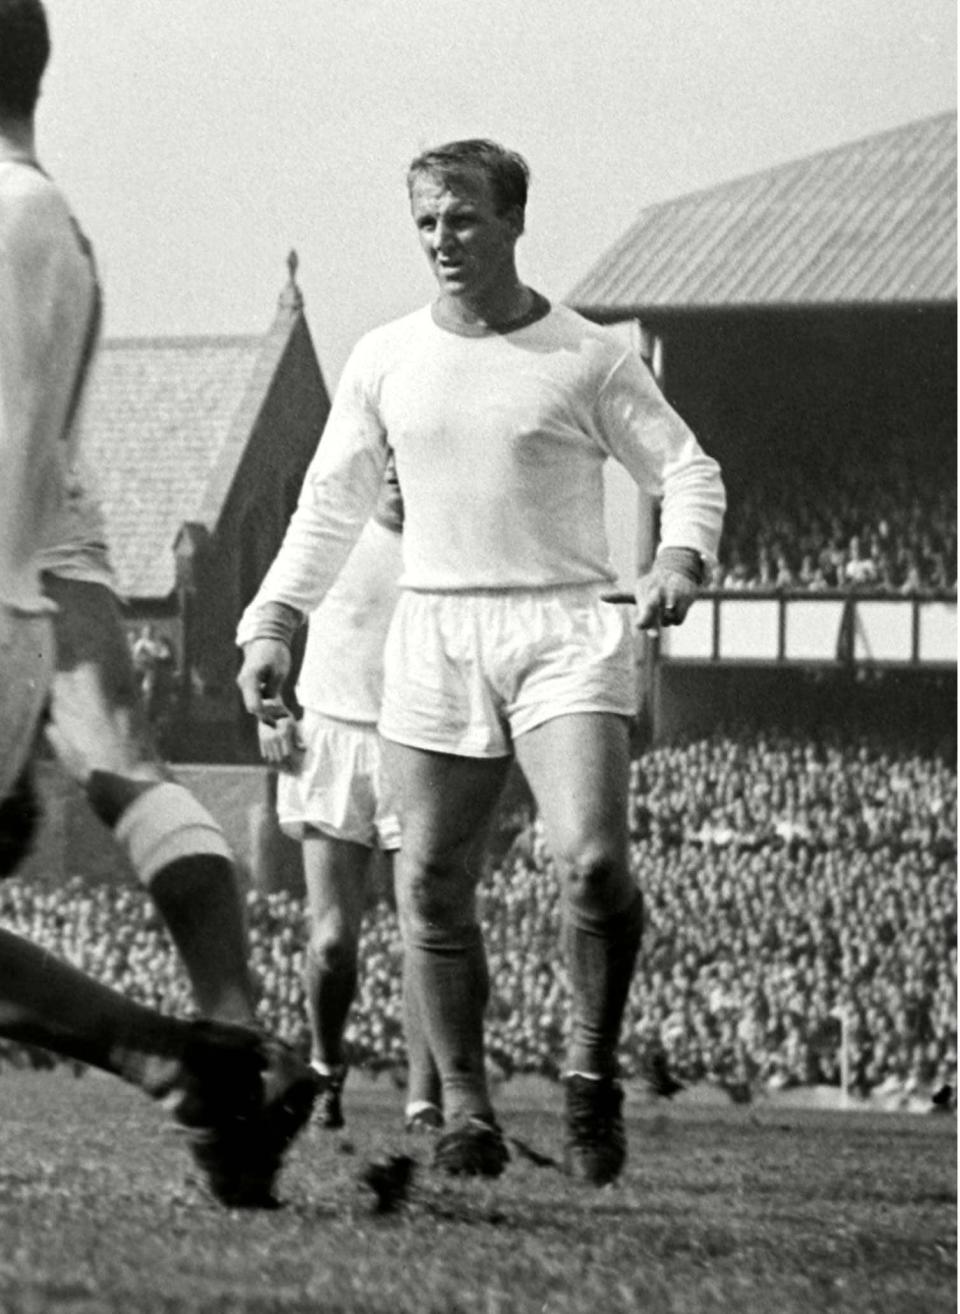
x=334, y=796
x=238, y=1096
x=501, y=410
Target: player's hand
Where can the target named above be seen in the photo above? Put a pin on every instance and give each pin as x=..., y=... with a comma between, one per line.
x=281, y=743
x=266, y=665
x=663, y=598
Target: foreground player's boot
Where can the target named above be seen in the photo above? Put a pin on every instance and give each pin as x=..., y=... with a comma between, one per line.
x=473, y=1147
x=595, y=1145
x=241, y=1099
x=328, y=1112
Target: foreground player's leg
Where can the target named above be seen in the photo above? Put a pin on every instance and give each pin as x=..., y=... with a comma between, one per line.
x=446, y=802
x=578, y=768
x=337, y=876
x=177, y=850
x=240, y=1099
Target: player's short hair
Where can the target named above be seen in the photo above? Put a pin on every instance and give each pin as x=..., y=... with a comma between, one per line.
x=24, y=51
x=507, y=172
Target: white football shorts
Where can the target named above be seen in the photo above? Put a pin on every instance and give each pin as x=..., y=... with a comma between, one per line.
x=26, y=669
x=467, y=673
x=340, y=787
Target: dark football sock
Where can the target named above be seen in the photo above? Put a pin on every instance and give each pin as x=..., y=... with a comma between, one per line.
x=600, y=955
x=331, y=983
x=198, y=900
x=447, y=975
x=423, y=1079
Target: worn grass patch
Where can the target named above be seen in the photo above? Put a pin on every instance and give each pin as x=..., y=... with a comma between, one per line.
x=748, y=1210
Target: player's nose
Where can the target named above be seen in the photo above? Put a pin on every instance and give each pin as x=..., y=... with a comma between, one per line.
x=444, y=238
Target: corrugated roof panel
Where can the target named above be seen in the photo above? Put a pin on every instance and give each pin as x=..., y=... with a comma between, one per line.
x=873, y=221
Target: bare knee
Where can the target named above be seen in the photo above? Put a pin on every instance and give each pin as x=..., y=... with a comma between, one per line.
x=596, y=878
x=434, y=891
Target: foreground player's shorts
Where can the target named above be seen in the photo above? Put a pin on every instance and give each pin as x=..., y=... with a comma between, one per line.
x=75, y=544
x=467, y=673
x=26, y=667
x=340, y=788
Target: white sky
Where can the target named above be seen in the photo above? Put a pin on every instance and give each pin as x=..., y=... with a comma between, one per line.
x=199, y=140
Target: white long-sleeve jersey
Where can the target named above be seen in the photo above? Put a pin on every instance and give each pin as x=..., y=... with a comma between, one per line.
x=500, y=443
x=342, y=671
x=49, y=314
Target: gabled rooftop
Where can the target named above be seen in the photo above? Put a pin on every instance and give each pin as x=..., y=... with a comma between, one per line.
x=870, y=222
x=166, y=423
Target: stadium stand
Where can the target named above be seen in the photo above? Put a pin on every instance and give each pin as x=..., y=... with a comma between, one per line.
x=872, y=510
x=790, y=880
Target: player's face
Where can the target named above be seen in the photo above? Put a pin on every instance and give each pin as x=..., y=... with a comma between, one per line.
x=470, y=246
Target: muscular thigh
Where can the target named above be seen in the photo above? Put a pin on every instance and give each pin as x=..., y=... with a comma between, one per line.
x=97, y=721
x=444, y=799
x=578, y=767
x=445, y=805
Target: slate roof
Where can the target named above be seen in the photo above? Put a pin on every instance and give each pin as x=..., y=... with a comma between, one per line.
x=166, y=422
x=871, y=222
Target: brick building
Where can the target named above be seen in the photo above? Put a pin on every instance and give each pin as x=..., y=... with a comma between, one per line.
x=198, y=447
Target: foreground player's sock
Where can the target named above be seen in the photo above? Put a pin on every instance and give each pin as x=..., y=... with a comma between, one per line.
x=198, y=900
x=181, y=855
x=447, y=971
x=600, y=954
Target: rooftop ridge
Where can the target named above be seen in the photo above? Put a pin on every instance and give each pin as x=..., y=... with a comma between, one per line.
x=183, y=340
x=795, y=162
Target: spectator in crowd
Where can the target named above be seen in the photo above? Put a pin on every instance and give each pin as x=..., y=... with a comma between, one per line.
x=154, y=664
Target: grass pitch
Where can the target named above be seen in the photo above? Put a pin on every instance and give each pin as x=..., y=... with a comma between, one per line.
x=753, y=1210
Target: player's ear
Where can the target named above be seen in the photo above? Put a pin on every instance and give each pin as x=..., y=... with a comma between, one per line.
x=515, y=217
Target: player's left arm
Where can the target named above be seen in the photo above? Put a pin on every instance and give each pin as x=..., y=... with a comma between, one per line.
x=648, y=437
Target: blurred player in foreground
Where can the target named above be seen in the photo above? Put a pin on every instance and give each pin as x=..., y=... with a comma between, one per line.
x=501, y=410
x=333, y=798
x=239, y=1096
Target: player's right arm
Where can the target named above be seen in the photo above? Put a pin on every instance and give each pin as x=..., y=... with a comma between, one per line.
x=338, y=496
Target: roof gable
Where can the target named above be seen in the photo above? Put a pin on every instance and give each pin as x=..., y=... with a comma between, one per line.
x=873, y=221
x=157, y=420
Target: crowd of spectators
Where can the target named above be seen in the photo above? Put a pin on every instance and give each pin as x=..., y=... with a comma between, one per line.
x=796, y=889
x=863, y=512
